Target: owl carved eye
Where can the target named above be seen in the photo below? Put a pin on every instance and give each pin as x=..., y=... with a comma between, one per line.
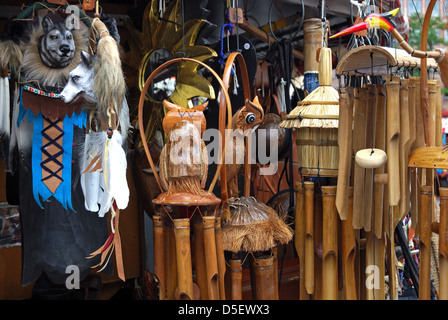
x=250, y=118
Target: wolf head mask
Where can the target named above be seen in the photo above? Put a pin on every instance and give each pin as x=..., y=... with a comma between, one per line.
x=57, y=44
x=52, y=50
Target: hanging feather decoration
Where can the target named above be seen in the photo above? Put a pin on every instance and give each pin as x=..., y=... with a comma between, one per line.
x=103, y=171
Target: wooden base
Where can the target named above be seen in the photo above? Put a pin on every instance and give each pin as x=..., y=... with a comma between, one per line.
x=186, y=199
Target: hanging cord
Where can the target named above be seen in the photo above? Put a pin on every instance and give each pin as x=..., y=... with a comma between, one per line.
x=229, y=27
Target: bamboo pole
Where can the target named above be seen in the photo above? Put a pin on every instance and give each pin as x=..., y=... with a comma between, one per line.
x=299, y=239
x=393, y=171
x=359, y=140
x=438, y=120
x=309, y=236
x=443, y=244
x=392, y=267
x=236, y=276
x=432, y=104
x=425, y=220
x=170, y=261
x=379, y=251
x=393, y=139
x=159, y=255
x=200, y=257
x=330, y=244
x=416, y=175
x=274, y=252
x=405, y=136
x=221, y=258
x=372, y=100
x=264, y=277
x=183, y=259
x=348, y=251
x=380, y=143
x=211, y=258
x=345, y=151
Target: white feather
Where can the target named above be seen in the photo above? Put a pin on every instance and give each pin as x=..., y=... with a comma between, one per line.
x=118, y=186
x=123, y=119
x=90, y=180
x=100, y=187
x=104, y=197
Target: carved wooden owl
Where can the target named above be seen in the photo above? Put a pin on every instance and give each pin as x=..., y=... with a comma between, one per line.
x=183, y=160
x=244, y=121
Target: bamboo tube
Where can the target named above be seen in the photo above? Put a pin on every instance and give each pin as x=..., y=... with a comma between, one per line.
x=200, y=257
x=264, y=277
x=380, y=143
x=211, y=260
x=393, y=170
x=345, y=151
x=170, y=261
x=309, y=236
x=432, y=104
x=418, y=142
x=317, y=239
x=425, y=220
x=438, y=120
x=274, y=252
x=359, y=141
x=159, y=255
x=221, y=258
x=443, y=244
x=405, y=136
x=312, y=38
x=372, y=99
x=412, y=137
x=375, y=256
x=330, y=244
x=369, y=256
x=348, y=251
x=393, y=139
x=236, y=276
x=299, y=239
x=380, y=250
x=183, y=259
x=391, y=254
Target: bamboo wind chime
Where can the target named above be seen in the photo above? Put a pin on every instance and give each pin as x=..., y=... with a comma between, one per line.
x=316, y=119
x=387, y=127
x=183, y=201
x=249, y=226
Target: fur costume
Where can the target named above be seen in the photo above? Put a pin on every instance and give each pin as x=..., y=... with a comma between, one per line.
x=57, y=230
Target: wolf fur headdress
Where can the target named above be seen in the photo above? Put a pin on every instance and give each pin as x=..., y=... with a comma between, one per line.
x=34, y=69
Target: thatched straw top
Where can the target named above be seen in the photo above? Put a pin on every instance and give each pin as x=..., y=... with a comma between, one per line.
x=253, y=226
x=320, y=109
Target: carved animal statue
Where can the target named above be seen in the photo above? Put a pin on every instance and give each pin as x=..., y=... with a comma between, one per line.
x=244, y=122
x=183, y=160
